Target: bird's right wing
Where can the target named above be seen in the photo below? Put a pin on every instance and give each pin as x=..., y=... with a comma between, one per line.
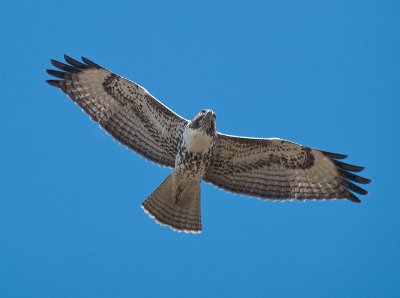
x=279, y=169
x=123, y=108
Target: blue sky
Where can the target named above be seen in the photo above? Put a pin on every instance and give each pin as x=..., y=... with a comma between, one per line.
x=321, y=73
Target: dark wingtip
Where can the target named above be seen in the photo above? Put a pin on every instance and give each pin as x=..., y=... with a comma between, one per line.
x=334, y=155
x=68, y=71
x=74, y=62
x=54, y=83
x=57, y=74
x=351, y=186
x=66, y=58
x=64, y=67
x=353, y=198
x=353, y=177
x=364, y=180
x=345, y=171
x=348, y=167
x=90, y=63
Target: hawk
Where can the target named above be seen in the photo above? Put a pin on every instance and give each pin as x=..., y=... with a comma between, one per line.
x=267, y=168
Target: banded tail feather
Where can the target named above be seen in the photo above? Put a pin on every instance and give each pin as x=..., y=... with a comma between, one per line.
x=267, y=168
x=183, y=214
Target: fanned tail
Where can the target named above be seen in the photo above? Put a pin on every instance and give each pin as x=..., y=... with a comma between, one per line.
x=182, y=214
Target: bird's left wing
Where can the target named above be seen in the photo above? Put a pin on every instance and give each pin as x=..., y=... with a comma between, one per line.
x=279, y=169
x=123, y=108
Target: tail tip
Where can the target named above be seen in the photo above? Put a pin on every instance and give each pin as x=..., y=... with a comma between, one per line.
x=167, y=225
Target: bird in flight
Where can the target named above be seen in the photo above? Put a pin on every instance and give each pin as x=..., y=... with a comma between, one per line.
x=267, y=168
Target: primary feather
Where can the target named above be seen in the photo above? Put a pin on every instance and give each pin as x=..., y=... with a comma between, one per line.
x=266, y=168
x=123, y=108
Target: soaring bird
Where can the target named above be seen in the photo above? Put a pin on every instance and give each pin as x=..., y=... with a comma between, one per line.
x=267, y=168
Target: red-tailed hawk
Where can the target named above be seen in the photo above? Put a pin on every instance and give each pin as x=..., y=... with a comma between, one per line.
x=265, y=168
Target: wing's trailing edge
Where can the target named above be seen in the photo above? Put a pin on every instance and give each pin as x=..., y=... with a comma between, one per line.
x=123, y=108
x=282, y=170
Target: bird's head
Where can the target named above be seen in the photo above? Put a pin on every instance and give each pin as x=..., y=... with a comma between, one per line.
x=205, y=120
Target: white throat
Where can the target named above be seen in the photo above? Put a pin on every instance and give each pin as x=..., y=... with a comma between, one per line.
x=196, y=140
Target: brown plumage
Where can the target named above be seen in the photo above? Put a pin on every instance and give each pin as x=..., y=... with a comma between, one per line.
x=266, y=168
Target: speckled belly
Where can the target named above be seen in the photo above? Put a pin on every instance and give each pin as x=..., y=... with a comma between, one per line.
x=190, y=167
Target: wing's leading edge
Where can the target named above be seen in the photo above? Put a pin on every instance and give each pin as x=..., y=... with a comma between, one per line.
x=281, y=170
x=123, y=108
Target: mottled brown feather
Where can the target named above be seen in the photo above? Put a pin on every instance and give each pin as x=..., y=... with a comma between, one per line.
x=123, y=108
x=279, y=169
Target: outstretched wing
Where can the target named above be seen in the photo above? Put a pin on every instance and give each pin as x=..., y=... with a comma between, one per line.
x=279, y=169
x=123, y=108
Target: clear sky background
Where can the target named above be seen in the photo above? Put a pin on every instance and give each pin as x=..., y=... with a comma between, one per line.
x=325, y=74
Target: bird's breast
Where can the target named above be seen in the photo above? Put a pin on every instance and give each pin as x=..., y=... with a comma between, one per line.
x=196, y=140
